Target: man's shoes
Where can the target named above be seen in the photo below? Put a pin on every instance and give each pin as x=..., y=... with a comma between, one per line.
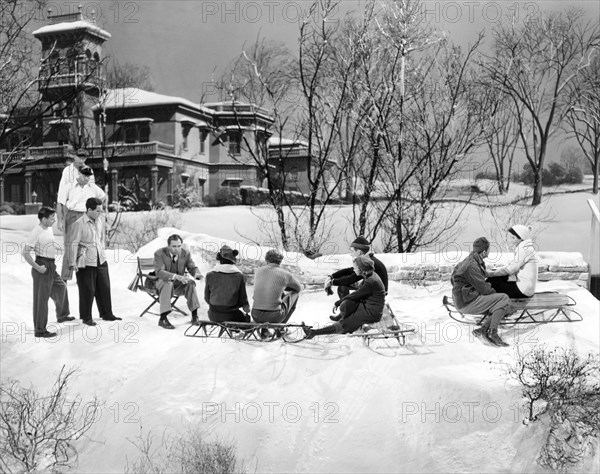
x=195, y=321
x=336, y=317
x=45, y=334
x=112, y=318
x=65, y=319
x=480, y=333
x=495, y=339
x=164, y=323
x=88, y=322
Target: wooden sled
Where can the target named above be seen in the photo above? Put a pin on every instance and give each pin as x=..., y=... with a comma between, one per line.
x=250, y=332
x=387, y=328
x=541, y=308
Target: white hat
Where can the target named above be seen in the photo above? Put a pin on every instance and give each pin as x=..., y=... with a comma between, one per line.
x=521, y=231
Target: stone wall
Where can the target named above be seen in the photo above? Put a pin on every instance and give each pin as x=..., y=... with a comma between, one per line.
x=414, y=269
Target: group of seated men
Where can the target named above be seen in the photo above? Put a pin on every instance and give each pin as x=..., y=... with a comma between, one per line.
x=361, y=289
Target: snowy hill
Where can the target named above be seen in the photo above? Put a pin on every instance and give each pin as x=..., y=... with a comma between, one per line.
x=440, y=404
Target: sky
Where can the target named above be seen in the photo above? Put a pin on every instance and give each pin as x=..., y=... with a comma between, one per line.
x=187, y=43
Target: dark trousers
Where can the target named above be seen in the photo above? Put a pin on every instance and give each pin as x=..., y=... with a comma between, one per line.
x=94, y=282
x=234, y=315
x=283, y=315
x=502, y=285
x=344, y=291
x=355, y=314
x=47, y=285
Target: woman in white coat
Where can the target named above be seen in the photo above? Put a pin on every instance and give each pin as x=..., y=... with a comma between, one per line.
x=519, y=277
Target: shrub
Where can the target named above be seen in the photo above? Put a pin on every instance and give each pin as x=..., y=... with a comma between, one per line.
x=186, y=453
x=12, y=208
x=134, y=232
x=38, y=431
x=224, y=197
x=563, y=388
x=185, y=197
x=574, y=176
x=491, y=175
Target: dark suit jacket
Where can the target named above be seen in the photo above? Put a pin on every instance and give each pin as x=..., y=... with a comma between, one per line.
x=164, y=267
x=468, y=280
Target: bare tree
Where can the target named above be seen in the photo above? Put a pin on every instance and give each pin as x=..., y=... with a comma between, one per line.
x=422, y=120
x=38, y=431
x=583, y=116
x=534, y=64
x=120, y=76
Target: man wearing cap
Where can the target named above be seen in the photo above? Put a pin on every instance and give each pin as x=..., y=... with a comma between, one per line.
x=473, y=295
x=276, y=291
x=225, y=290
x=170, y=264
x=71, y=202
x=517, y=279
x=346, y=279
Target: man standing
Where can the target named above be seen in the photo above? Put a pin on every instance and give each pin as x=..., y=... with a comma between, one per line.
x=72, y=199
x=87, y=257
x=473, y=295
x=276, y=291
x=46, y=282
x=170, y=264
x=346, y=279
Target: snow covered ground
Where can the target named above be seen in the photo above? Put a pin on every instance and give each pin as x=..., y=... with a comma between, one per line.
x=440, y=404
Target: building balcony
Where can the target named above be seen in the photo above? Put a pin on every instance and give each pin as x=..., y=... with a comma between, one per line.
x=69, y=80
x=112, y=150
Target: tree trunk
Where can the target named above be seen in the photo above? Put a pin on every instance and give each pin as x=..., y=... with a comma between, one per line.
x=537, y=188
x=595, y=187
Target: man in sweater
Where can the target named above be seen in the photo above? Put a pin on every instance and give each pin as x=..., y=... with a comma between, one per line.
x=346, y=279
x=170, y=264
x=473, y=295
x=276, y=291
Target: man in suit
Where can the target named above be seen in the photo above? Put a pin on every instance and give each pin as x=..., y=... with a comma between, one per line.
x=170, y=264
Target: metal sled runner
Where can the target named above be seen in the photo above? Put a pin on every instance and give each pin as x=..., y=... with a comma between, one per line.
x=541, y=308
x=387, y=328
x=250, y=332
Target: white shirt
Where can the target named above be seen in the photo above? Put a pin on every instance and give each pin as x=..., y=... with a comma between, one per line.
x=69, y=176
x=42, y=242
x=77, y=195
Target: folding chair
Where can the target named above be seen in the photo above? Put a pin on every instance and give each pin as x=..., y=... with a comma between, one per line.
x=145, y=280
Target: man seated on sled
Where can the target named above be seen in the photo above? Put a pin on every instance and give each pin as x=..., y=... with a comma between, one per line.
x=346, y=279
x=276, y=291
x=225, y=290
x=519, y=277
x=363, y=306
x=170, y=264
x=473, y=295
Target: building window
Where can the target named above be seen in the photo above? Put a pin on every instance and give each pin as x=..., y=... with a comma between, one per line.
x=293, y=173
x=235, y=143
x=144, y=133
x=15, y=193
x=130, y=134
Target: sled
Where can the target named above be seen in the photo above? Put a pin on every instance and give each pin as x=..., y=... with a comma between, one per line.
x=249, y=332
x=541, y=308
x=387, y=328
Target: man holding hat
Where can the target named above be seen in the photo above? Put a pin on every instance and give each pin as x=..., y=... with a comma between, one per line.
x=346, y=279
x=71, y=206
x=473, y=295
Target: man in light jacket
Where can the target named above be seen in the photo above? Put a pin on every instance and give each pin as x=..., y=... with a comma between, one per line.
x=170, y=264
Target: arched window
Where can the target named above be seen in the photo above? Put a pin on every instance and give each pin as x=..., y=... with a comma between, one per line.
x=130, y=133
x=96, y=57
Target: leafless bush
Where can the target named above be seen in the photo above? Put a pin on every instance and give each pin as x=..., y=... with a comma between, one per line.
x=37, y=432
x=561, y=387
x=502, y=217
x=138, y=229
x=186, y=453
